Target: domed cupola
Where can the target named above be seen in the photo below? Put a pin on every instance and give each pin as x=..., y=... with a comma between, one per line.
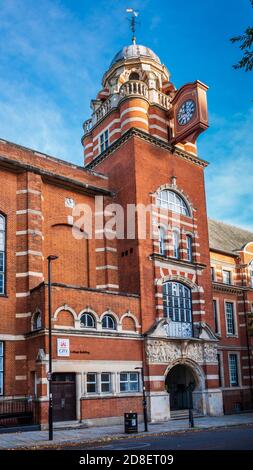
x=135, y=51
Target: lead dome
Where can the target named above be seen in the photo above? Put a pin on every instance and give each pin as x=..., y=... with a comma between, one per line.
x=134, y=51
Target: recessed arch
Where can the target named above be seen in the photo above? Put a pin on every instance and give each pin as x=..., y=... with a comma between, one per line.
x=196, y=370
x=183, y=280
x=129, y=315
x=65, y=308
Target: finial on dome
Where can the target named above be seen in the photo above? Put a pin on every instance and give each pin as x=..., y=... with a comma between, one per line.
x=133, y=22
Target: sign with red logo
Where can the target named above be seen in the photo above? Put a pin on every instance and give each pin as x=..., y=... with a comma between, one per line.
x=63, y=347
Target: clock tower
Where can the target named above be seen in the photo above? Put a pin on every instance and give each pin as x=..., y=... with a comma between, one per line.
x=142, y=134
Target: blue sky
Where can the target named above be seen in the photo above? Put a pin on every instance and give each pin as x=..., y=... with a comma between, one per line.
x=53, y=54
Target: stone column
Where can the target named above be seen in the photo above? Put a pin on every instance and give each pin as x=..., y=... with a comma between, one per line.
x=78, y=395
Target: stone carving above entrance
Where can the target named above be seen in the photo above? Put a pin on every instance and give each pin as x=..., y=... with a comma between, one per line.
x=210, y=352
x=194, y=351
x=162, y=351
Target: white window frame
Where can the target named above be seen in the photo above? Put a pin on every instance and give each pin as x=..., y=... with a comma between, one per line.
x=173, y=201
x=235, y=334
x=176, y=305
x=232, y=353
x=2, y=368
x=251, y=274
x=106, y=327
x=128, y=382
x=222, y=377
x=93, y=319
x=189, y=250
x=106, y=382
x=161, y=240
x=92, y=383
x=218, y=314
x=176, y=238
x=2, y=251
x=104, y=140
x=230, y=276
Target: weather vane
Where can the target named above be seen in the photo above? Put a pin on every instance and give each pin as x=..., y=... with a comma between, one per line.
x=133, y=22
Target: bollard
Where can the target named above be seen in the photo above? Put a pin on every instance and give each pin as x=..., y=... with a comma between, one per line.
x=191, y=419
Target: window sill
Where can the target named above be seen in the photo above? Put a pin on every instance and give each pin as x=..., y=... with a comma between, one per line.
x=95, y=396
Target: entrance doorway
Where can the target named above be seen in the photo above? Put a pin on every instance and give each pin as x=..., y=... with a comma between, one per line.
x=64, y=396
x=180, y=383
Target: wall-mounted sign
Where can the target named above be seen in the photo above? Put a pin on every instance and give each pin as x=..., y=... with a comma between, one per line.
x=63, y=347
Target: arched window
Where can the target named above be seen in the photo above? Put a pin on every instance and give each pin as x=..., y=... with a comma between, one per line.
x=134, y=76
x=108, y=323
x=175, y=243
x=161, y=239
x=2, y=254
x=172, y=201
x=189, y=247
x=37, y=321
x=87, y=321
x=177, y=303
x=251, y=274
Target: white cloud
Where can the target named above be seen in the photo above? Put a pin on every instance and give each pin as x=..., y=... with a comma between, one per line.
x=229, y=178
x=51, y=64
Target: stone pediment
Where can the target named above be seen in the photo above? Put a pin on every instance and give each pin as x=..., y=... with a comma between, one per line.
x=159, y=330
x=205, y=332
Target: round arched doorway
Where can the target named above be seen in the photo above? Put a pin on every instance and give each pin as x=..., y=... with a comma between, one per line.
x=180, y=383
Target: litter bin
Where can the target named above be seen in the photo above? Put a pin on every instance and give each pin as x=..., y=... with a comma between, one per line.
x=131, y=423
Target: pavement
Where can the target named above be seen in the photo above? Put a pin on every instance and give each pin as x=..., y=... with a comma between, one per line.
x=87, y=435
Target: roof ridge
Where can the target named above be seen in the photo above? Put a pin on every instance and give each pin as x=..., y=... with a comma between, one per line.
x=230, y=225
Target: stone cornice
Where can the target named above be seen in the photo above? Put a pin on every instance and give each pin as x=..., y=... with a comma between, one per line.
x=177, y=262
x=219, y=287
x=44, y=284
x=50, y=177
x=133, y=132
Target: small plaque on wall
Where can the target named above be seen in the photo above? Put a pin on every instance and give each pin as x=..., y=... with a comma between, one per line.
x=63, y=347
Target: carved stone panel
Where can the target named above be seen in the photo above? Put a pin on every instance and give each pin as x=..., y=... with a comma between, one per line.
x=160, y=351
x=210, y=352
x=194, y=351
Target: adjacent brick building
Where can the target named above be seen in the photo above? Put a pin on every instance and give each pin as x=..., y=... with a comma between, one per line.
x=167, y=297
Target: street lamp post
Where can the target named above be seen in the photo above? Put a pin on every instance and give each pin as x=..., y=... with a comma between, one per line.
x=50, y=407
x=144, y=400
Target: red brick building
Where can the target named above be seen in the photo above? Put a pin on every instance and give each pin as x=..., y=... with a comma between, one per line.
x=145, y=298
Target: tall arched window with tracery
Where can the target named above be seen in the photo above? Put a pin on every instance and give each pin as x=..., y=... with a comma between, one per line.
x=2, y=253
x=177, y=305
x=172, y=201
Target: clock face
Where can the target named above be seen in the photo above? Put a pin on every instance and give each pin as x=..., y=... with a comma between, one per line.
x=186, y=112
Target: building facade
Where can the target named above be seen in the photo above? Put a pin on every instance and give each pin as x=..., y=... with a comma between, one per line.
x=143, y=293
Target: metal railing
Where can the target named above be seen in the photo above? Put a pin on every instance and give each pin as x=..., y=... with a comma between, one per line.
x=17, y=412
